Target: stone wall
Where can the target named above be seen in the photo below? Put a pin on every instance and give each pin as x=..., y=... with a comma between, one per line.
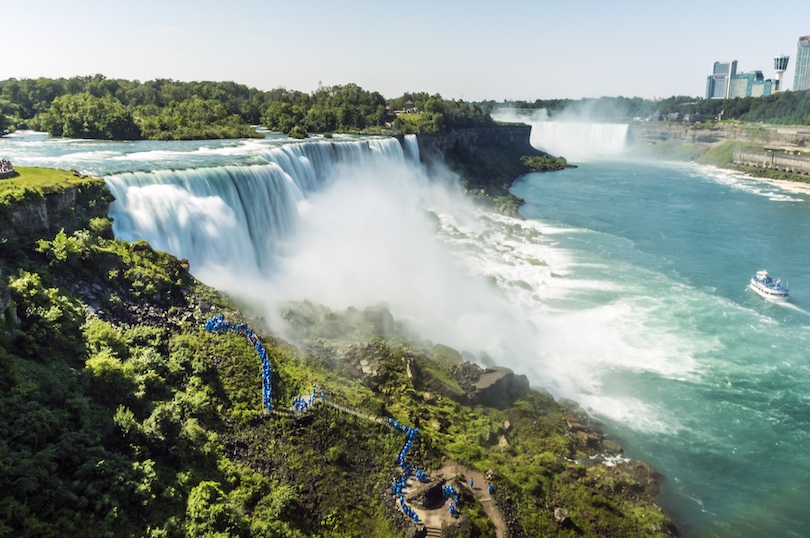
x=773, y=160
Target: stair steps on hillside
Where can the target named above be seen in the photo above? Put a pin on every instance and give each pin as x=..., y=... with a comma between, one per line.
x=432, y=532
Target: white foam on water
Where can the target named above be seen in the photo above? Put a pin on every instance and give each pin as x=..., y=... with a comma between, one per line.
x=752, y=185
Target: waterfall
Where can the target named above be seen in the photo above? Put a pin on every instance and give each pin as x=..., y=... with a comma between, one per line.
x=579, y=141
x=412, y=148
x=574, y=137
x=235, y=216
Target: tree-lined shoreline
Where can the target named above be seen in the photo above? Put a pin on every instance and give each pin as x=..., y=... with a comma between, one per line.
x=163, y=109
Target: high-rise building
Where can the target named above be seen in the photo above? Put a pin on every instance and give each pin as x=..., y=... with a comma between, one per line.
x=718, y=83
x=751, y=84
x=726, y=83
x=801, y=79
x=780, y=64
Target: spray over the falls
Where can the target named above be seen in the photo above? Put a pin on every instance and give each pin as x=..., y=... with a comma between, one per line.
x=573, y=136
x=351, y=223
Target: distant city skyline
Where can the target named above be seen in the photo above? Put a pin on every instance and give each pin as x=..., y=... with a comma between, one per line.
x=476, y=50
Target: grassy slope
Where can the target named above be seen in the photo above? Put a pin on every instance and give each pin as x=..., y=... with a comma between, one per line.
x=39, y=180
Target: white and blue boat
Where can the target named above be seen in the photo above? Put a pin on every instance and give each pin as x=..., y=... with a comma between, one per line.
x=768, y=288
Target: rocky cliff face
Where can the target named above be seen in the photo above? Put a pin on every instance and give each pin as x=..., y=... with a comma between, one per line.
x=488, y=159
x=516, y=136
x=41, y=214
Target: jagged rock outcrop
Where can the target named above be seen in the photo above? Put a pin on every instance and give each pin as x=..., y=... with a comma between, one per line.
x=488, y=159
x=499, y=387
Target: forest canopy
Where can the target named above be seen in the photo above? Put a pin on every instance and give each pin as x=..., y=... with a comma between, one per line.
x=166, y=109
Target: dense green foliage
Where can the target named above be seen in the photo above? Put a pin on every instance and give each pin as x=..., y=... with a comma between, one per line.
x=544, y=163
x=347, y=108
x=192, y=118
x=110, y=428
x=87, y=116
x=437, y=115
x=97, y=107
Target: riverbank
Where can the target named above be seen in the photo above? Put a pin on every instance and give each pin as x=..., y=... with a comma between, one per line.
x=766, y=151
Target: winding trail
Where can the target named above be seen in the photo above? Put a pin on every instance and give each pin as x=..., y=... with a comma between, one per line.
x=431, y=520
x=451, y=469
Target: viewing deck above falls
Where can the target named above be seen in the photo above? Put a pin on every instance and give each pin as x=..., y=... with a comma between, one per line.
x=6, y=169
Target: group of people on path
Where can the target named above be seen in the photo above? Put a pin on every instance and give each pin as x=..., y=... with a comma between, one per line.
x=6, y=166
x=401, y=483
x=451, y=493
x=302, y=404
x=218, y=324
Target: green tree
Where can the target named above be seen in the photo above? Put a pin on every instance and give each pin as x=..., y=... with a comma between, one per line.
x=87, y=116
x=210, y=514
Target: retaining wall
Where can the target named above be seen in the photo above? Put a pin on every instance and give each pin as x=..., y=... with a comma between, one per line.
x=772, y=160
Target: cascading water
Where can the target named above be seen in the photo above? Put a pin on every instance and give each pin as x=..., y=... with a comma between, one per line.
x=576, y=139
x=236, y=216
x=579, y=141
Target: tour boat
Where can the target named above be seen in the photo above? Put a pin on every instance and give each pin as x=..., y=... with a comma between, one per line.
x=766, y=287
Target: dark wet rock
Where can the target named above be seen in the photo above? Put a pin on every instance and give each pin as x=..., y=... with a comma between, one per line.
x=499, y=387
x=467, y=374
x=5, y=298
x=428, y=496
x=367, y=362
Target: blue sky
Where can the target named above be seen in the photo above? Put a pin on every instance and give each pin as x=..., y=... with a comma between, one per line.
x=472, y=50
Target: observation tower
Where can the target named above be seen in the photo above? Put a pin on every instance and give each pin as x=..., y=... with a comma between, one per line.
x=780, y=64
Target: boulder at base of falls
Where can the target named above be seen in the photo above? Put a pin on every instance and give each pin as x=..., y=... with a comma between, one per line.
x=498, y=387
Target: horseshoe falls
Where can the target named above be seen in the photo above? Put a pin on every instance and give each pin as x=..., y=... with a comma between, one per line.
x=577, y=139
x=622, y=288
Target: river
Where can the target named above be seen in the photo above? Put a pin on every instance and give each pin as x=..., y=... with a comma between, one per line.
x=624, y=288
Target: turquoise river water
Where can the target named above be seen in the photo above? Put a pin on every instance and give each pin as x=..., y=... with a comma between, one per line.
x=624, y=288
